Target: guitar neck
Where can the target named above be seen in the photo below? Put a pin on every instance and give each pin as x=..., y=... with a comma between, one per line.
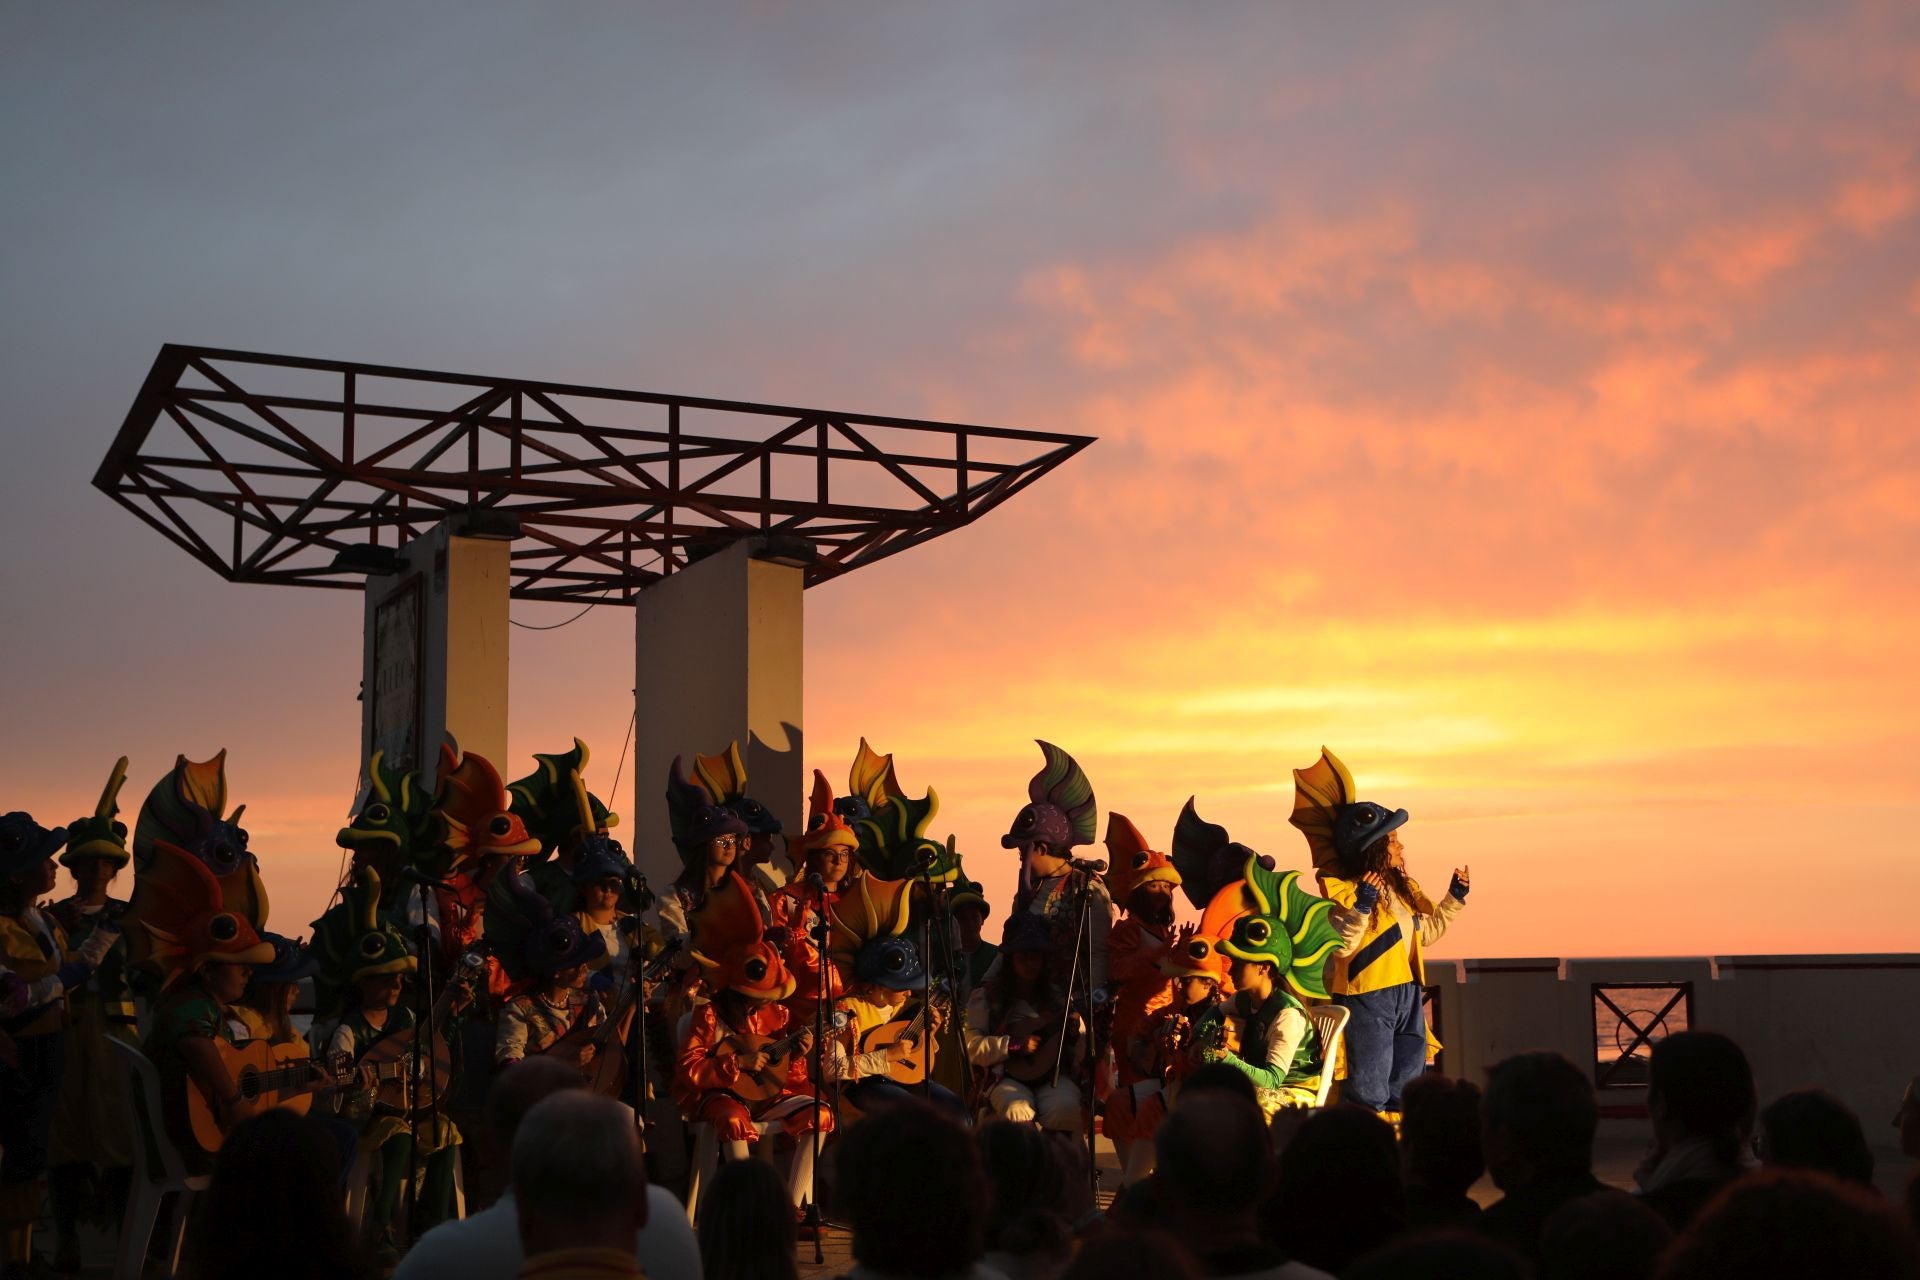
x=287, y=1077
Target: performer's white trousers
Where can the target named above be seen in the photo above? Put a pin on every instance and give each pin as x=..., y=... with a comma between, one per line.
x=1054, y=1106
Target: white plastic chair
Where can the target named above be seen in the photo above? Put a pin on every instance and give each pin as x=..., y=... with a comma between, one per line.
x=1330, y=1021
x=706, y=1156
x=158, y=1169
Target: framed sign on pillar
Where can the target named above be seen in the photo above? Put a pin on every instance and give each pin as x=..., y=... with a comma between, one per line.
x=395, y=708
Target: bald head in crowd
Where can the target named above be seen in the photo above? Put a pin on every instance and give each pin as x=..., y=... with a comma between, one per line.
x=579, y=1176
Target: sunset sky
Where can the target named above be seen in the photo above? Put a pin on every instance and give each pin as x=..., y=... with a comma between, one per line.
x=1521, y=400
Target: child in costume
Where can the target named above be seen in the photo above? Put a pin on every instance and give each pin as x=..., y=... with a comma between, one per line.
x=600, y=882
x=1060, y=815
x=557, y=809
x=479, y=838
x=968, y=908
x=559, y=957
x=1012, y=1018
x=203, y=952
x=1384, y=921
x=364, y=962
x=1279, y=941
x=266, y=1009
x=41, y=971
x=92, y=1146
x=828, y=869
x=885, y=972
x=1142, y=881
x=746, y=980
x=1162, y=1051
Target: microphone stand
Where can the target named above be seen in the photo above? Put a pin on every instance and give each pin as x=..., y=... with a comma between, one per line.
x=819, y=931
x=423, y=1026
x=1082, y=944
x=637, y=1033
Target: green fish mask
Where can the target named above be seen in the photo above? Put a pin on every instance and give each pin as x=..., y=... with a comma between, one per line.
x=1287, y=927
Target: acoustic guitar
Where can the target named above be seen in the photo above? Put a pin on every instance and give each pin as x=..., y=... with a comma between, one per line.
x=1054, y=1054
x=607, y=1070
x=265, y=1076
x=391, y=1059
x=913, y=1068
x=770, y=1081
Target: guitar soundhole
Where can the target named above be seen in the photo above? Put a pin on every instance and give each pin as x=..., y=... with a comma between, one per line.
x=249, y=1086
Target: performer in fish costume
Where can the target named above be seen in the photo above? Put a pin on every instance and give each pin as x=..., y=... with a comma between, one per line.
x=1059, y=815
x=1142, y=881
x=747, y=981
x=1385, y=920
x=203, y=951
x=1162, y=1051
x=725, y=779
x=884, y=974
x=556, y=808
x=183, y=809
x=92, y=1150
x=38, y=972
x=478, y=837
x=827, y=868
x=891, y=825
x=709, y=838
x=364, y=964
x=1279, y=940
x=390, y=831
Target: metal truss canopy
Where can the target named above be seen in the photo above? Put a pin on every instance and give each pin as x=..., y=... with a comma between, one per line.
x=312, y=472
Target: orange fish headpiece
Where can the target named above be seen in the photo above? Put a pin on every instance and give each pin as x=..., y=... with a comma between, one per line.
x=729, y=941
x=475, y=812
x=1130, y=863
x=1197, y=954
x=183, y=810
x=826, y=828
x=184, y=913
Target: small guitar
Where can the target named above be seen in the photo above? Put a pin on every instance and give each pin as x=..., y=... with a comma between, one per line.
x=913, y=1067
x=1054, y=1053
x=770, y=1081
x=265, y=1076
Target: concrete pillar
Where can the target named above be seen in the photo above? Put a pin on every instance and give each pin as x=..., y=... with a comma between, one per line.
x=436, y=651
x=717, y=650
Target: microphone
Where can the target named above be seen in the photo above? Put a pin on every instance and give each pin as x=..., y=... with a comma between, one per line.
x=816, y=882
x=1092, y=866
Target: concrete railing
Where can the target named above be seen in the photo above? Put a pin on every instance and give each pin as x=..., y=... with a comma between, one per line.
x=1848, y=1023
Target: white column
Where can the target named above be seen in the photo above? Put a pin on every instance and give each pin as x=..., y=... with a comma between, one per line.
x=717, y=650
x=435, y=652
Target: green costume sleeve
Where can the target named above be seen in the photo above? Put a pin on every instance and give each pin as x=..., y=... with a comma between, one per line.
x=1263, y=1077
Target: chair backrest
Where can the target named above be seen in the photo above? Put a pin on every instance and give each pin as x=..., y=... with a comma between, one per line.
x=1330, y=1022
x=143, y=1080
